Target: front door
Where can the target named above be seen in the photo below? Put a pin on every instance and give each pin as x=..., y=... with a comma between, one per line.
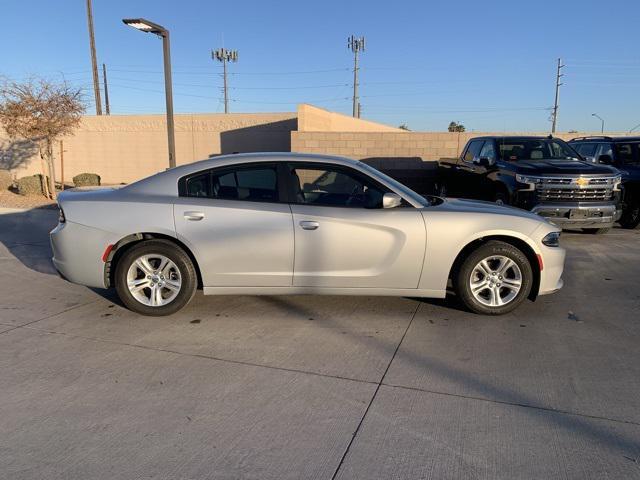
x=236, y=226
x=343, y=236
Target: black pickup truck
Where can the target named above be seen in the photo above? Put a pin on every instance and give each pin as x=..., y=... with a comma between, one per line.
x=624, y=154
x=541, y=174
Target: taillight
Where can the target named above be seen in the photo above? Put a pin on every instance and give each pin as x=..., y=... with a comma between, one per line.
x=61, y=217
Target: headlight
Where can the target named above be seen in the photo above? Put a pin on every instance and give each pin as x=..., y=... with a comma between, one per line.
x=61, y=217
x=530, y=181
x=616, y=182
x=551, y=239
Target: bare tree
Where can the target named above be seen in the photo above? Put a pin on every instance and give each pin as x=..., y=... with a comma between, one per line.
x=40, y=111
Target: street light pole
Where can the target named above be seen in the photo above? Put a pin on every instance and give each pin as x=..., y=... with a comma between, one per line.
x=94, y=61
x=150, y=27
x=601, y=120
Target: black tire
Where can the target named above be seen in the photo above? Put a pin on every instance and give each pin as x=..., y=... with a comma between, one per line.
x=596, y=231
x=188, y=276
x=630, y=218
x=463, y=276
x=501, y=198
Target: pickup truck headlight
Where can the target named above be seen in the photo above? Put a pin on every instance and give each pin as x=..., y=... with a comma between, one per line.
x=530, y=181
x=616, y=182
x=551, y=239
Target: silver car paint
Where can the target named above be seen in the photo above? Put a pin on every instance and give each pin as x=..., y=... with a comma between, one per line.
x=402, y=251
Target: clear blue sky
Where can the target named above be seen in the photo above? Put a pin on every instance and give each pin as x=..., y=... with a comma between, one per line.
x=489, y=65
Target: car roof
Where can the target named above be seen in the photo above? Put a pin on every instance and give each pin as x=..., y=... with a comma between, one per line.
x=170, y=176
x=604, y=138
x=514, y=137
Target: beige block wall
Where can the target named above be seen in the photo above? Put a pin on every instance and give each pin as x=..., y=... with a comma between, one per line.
x=124, y=148
x=314, y=119
x=397, y=149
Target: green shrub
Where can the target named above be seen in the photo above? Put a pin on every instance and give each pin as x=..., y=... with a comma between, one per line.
x=33, y=185
x=6, y=180
x=86, y=180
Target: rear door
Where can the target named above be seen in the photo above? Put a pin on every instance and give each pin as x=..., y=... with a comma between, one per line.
x=343, y=236
x=237, y=225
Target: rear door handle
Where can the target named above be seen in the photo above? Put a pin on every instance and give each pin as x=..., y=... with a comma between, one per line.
x=309, y=225
x=194, y=216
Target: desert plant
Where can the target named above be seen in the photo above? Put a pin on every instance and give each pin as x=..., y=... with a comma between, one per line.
x=6, y=179
x=86, y=180
x=32, y=185
x=40, y=111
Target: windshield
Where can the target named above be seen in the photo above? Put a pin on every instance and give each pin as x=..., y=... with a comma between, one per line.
x=513, y=149
x=397, y=186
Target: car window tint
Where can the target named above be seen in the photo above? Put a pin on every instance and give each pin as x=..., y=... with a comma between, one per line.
x=587, y=149
x=605, y=149
x=625, y=153
x=199, y=185
x=334, y=187
x=488, y=150
x=257, y=184
x=473, y=150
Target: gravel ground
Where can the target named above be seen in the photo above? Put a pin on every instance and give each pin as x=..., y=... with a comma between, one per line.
x=10, y=199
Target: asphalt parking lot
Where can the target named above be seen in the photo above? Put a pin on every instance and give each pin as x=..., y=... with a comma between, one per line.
x=318, y=387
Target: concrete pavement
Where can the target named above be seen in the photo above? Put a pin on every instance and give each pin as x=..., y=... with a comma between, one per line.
x=318, y=387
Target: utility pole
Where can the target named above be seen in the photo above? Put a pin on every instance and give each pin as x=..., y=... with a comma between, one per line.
x=356, y=45
x=223, y=55
x=555, y=103
x=94, y=61
x=106, y=89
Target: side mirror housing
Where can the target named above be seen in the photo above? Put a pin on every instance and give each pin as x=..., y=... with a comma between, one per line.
x=606, y=159
x=391, y=200
x=484, y=162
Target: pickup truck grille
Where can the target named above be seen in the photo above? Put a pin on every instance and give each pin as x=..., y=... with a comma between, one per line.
x=581, y=189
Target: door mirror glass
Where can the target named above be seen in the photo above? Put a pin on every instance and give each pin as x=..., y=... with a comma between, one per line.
x=391, y=200
x=606, y=159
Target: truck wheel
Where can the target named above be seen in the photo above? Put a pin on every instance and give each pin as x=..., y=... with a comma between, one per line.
x=501, y=198
x=596, y=231
x=630, y=216
x=494, y=279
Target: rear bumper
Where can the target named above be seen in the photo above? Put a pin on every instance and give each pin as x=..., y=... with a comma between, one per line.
x=77, y=253
x=585, y=215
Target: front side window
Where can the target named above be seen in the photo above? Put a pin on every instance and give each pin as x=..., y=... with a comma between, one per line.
x=473, y=150
x=335, y=187
x=256, y=183
x=488, y=151
x=587, y=149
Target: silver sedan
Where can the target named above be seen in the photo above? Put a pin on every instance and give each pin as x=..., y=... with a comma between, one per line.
x=268, y=224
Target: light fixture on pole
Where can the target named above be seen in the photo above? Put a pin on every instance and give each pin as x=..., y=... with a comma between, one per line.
x=601, y=120
x=223, y=55
x=150, y=27
x=356, y=45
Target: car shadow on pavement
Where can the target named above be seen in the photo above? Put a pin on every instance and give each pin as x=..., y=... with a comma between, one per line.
x=573, y=422
x=24, y=235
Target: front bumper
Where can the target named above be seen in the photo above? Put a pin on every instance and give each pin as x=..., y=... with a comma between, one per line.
x=581, y=215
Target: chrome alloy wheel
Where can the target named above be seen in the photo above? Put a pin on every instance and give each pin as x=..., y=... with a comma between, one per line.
x=154, y=280
x=495, y=281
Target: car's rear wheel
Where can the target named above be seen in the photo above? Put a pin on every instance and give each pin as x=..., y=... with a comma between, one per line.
x=155, y=277
x=494, y=279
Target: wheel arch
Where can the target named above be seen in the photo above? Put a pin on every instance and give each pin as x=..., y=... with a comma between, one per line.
x=125, y=243
x=519, y=243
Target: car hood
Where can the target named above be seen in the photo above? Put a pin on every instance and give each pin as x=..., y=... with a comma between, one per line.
x=478, y=206
x=563, y=167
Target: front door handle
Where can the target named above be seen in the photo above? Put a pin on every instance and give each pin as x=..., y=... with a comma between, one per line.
x=194, y=216
x=309, y=225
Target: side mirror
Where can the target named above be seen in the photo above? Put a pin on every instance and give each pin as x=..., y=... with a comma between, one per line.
x=606, y=159
x=391, y=200
x=484, y=162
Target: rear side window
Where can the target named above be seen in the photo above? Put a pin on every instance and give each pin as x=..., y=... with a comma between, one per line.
x=587, y=149
x=255, y=184
x=473, y=150
x=627, y=153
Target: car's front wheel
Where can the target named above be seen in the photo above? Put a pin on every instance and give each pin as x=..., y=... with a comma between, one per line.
x=155, y=277
x=494, y=279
